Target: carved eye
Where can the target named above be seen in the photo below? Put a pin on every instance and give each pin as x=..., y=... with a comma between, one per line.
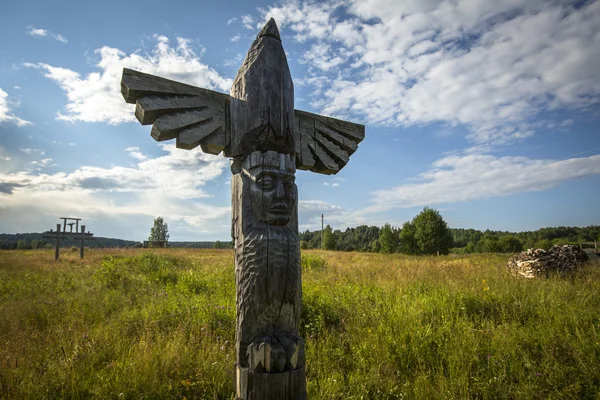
x=266, y=183
x=288, y=185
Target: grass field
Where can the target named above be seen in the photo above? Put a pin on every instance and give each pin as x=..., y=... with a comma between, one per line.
x=135, y=324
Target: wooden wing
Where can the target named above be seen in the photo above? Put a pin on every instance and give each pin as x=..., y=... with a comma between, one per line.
x=191, y=115
x=325, y=144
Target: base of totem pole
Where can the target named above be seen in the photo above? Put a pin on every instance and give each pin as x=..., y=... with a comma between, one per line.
x=255, y=385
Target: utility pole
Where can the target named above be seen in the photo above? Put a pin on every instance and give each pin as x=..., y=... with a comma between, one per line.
x=322, y=245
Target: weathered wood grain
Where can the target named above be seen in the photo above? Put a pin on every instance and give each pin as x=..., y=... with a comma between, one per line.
x=194, y=135
x=267, y=267
x=169, y=125
x=136, y=84
x=148, y=109
x=262, y=98
x=191, y=115
x=325, y=143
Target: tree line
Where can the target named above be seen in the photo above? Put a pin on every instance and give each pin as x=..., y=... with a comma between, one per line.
x=428, y=233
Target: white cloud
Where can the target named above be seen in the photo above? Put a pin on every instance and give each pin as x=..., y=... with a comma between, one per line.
x=566, y=122
x=38, y=32
x=477, y=176
x=167, y=185
x=231, y=21
x=323, y=57
x=179, y=173
x=45, y=162
x=5, y=112
x=31, y=150
x=135, y=153
x=236, y=38
x=97, y=98
x=248, y=21
x=237, y=60
x=309, y=213
x=493, y=67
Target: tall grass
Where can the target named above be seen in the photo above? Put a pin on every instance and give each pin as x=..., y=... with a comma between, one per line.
x=137, y=324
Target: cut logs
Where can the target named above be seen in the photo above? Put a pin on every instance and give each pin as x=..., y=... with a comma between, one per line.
x=535, y=263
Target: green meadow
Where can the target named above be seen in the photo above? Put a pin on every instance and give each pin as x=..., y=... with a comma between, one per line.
x=137, y=324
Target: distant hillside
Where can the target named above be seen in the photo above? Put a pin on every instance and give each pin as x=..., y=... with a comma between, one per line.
x=9, y=241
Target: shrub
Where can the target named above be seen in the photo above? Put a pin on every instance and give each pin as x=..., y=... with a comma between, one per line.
x=312, y=262
x=113, y=273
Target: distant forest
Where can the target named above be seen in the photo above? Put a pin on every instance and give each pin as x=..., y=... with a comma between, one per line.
x=368, y=239
x=361, y=238
x=35, y=241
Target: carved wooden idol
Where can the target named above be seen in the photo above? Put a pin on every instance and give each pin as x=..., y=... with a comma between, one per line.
x=267, y=140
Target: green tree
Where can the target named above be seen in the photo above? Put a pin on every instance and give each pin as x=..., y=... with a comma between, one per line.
x=22, y=245
x=329, y=241
x=375, y=246
x=160, y=231
x=388, y=239
x=491, y=245
x=37, y=244
x=429, y=232
x=218, y=245
x=543, y=244
x=408, y=244
x=510, y=244
x=470, y=247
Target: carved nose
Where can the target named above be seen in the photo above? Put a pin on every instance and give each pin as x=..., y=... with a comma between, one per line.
x=280, y=193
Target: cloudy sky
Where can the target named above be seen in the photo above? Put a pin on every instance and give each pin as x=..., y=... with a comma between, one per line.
x=488, y=111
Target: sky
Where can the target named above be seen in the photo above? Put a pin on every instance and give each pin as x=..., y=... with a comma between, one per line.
x=488, y=111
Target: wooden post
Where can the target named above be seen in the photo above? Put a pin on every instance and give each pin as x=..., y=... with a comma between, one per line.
x=57, y=249
x=267, y=139
x=81, y=242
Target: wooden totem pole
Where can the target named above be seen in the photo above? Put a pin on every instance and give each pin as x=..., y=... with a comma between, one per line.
x=267, y=140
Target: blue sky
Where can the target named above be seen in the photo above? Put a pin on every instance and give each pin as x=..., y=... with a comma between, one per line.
x=486, y=110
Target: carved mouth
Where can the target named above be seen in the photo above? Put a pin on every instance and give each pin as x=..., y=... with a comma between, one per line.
x=279, y=210
x=280, y=207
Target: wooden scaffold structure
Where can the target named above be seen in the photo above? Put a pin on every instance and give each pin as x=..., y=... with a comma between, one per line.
x=72, y=234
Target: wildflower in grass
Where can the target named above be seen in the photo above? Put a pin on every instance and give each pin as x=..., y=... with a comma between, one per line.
x=485, y=286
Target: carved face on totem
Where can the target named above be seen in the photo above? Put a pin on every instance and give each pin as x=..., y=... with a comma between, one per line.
x=273, y=191
x=273, y=195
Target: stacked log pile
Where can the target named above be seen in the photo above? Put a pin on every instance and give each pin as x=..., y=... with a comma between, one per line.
x=539, y=262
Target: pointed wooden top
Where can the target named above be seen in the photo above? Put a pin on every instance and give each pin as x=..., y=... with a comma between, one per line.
x=270, y=30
